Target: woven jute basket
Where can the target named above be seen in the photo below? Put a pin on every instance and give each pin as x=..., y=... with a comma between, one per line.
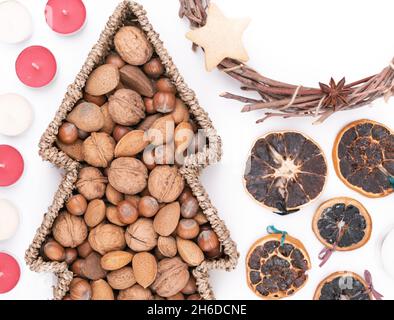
x=126, y=13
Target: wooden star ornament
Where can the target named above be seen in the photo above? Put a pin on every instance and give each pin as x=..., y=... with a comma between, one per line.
x=220, y=38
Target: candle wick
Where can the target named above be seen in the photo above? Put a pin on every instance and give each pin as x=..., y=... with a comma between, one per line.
x=1, y=274
x=65, y=12
x=2, y=165
x=35, y=66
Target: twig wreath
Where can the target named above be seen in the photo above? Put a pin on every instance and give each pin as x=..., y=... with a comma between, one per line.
x=280, y=99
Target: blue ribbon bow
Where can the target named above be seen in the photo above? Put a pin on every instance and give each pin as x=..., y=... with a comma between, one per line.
x=391, y=181
x=272, y=230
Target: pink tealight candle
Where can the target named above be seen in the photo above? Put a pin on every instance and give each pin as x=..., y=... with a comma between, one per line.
x=11, y=165
x=36, y=66
x=65, y=16
x=10, y=273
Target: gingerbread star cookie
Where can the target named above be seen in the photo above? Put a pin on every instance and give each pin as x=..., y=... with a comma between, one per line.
x=220, y=38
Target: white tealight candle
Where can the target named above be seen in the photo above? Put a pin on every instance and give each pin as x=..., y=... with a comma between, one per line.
x=15, y=22
x=388, y=253
x=16, y=114
x=9, y=219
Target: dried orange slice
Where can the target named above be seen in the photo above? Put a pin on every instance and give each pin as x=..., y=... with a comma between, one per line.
x=343, y=285
x=363, y=156
x=275, y=271
x=342, y=224
x=285, y=171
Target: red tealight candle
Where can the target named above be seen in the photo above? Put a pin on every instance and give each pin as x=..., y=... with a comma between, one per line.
x=11, y=165
x=10, y=273
x=65, y=16
x=36, y=66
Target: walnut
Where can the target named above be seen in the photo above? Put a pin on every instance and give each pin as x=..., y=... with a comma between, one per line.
x=136, y=292
x=91, y=183
x=126, y=107
x=98, y=149
x=133, y=46
x=128, y=175
x=165, y=183
x=140, y=236
x=121, y=279
x=172, y=277
x=69, y=230
x=107, y=237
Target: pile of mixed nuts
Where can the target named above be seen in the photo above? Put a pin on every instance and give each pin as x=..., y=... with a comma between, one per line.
x=132, y=229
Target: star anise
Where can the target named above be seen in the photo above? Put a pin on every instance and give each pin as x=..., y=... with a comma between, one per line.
x=336, y=93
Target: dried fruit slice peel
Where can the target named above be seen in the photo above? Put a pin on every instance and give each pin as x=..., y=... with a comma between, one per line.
x=343, y=285
x=276, y=271
x=285, y=171
x=363, y=157
x=343, y=224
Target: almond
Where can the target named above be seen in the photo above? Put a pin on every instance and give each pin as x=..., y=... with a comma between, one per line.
x=116, y=260
x=190, y=252
x=162, y=131
x=87, y=117
x=102, y=290
x=95, y=213
x=131, y=144
x=183, y=137
x=166, y=220
x=103, y=80
x=145, y=268
x=136, y=80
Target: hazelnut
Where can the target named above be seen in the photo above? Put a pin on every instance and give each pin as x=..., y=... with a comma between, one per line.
x=201, y=218
x=98, y=149
x=109, y=124
x=54, y=251
x=87, y=117
x=91, y=183
x=133, y=46
x=91, y=269
x=183, y=137
x=77, y=205
x=70, y=231
x=126, y=107
x=128, y=175
x=95, y=213
x=154, y=68
x=113, y=196
x=71, y=254
x=178, y=296
x=101, y=290
x=189, y=208
x=148, y=206
x=165, y=183
x=121, y=279
x=208, y=241
x=119, y=132
x=191, y=286
x=141, y=236
x=107, y=237
x=186, y=194
x=195, y=296
x=164, y=102
x=148, y=157
x=97, y=100
x=66, y=298
x=115, y=59
x=68, y=133
x=180, y=113
x=80, y=289
x=149, y=108
x=161, y=131
x=165, y=85
x=172, y=277
x=188, y=229
x=127, y=213
x=102, y=80
x=134, y=200
x=84, y=249
x=76, y=267
x=136, y=292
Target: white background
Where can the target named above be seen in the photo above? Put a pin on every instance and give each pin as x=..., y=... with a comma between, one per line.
x=301, y=42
